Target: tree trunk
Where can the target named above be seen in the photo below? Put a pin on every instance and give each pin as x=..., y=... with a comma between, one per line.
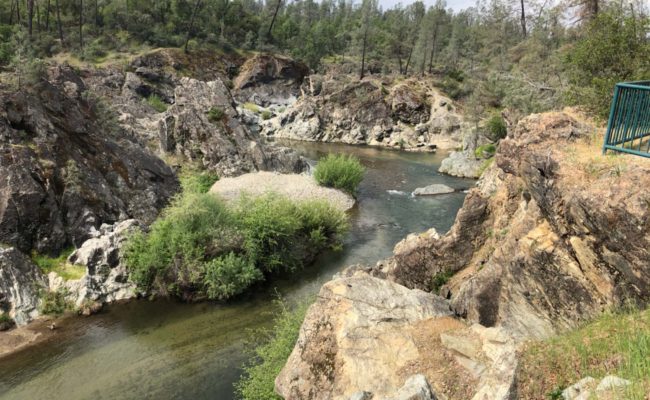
x=47, y=16
x=58, y=21
x=363, y=53
x=96, y=13
x=11, y=13
x=408, y=60
x=189, y=30
x=81, y=24
x=38, y=18
x=399, y=58
x=275, y=15
x=30, y=17
x=433, y=46
x=523, y=19
x=18, y=11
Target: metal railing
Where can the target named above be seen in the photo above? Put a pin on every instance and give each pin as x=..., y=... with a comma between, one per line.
x=628, y=129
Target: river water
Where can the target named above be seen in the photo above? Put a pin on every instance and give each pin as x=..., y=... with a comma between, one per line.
x=165, y=349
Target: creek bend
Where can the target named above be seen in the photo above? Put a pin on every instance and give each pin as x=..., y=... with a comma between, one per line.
x=166, y=349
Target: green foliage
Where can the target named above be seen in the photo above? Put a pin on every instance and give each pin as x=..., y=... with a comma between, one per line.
x=252, y=107
x=614, y=48
x=197, y=182
x=55, y=303
x=201, y=247
x=339, y=171
x=266, y=114
x=59, y=265
x=496, y=128
x=216, y=114
x=156, y=103
x=439, y=280
x=270, y=353
x=485, y=151
x=615, y=343
x=5, y=319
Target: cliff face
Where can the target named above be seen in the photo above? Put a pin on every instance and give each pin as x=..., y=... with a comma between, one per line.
x=410, y=114
x=554, y=234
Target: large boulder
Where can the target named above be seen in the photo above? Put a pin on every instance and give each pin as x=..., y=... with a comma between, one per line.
x=357, y=337
x=66, y=167
x=20, y=285
x=106, y=279
x=462, y=164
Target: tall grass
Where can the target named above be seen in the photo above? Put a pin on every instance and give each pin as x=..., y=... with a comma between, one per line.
x=270, y=351
x=340, y=172
x=615, y=344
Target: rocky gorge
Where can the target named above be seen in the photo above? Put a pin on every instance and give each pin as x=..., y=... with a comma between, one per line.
x=539, y=246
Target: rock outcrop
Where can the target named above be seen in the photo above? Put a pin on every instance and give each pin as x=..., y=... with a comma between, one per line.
x=20, y=284
x=66, y=167
x=106, y=278
x=554, y=234
x=556, y=237
x=409, y=115
x=266, y=79
x=462, y=164
x=196, y=119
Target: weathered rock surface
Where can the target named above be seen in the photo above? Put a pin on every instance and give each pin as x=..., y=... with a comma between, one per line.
x=266, y=79
x=106, y=278
x=296, y=187
x=20, y=285
x=219, y=141
x=355, y=338
x=66, y=168
x=410, y=115
x=547, y=243
x=610, y=387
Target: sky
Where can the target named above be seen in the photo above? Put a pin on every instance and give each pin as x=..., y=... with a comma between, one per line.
x=456, y=5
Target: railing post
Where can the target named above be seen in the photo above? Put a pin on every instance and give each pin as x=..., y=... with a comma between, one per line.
x=611, y=118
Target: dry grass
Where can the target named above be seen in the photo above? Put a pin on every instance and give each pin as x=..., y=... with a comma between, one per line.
x=617, y=344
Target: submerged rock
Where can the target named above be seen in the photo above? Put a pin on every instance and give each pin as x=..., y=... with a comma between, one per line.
x=434, y=189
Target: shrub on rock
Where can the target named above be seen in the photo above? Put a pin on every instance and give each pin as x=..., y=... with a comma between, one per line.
x=340, y=172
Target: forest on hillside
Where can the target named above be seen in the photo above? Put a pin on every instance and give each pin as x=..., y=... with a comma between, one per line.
x=526, y=55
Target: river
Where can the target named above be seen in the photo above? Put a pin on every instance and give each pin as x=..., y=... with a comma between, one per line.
x=165, y=349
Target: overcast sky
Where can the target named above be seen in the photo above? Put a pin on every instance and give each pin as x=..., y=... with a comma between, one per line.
x=454, y=4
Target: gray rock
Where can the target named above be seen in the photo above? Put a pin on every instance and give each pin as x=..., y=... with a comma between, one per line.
x=612, y=382
x=580, y=389
x=433, y=190
x=415, y=388
x=361, y=396
x=20, y=284
x=461, y=164
x=106, y=279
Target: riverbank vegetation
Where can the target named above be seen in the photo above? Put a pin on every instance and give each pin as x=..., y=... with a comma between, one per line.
x=614, y=344
x=202, y=248
x=343, y=172
x=270, y=349
x=59, y=265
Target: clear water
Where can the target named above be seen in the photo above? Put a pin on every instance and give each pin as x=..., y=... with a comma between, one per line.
x=169, y=350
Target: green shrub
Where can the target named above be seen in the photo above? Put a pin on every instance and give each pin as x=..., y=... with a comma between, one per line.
x=270, y=352
x=439, y=280
x=251, y=107
x=199, y=247
x=156, y=103
x=197, y=182
x=55, y=302
x=216, y=114
x=339, y=171
x=485, y=151
x=5, y=319
x=496, y=128
x=266, y=114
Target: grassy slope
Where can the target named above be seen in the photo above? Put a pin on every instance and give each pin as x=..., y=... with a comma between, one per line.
x=617, y=344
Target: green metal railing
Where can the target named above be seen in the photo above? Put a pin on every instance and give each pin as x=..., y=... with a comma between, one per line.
x=628, y=129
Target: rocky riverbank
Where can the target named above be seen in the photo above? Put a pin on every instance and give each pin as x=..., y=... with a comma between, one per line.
x=554, y=235
x=92, y=153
